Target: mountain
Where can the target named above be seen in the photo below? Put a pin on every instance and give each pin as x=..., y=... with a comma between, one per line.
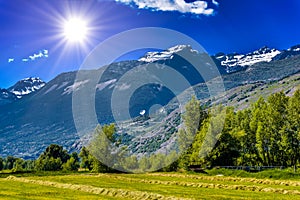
x=167, y=54
x=293, y=51
x=235, y=62
x=29, y=124
x=6, y=97
x=26, y=86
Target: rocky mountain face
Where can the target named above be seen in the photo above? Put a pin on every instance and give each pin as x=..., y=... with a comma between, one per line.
x=29, y=124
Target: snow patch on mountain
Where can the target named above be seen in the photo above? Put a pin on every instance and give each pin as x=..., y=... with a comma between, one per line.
x=103, y=85
x=265, y=55
x=63, y=85
x=76, y=86
x=235, y=62
x=167, y=54
x=51, y=88
x=27, y=86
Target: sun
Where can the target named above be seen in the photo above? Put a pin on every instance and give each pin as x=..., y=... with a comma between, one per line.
x=75, y=30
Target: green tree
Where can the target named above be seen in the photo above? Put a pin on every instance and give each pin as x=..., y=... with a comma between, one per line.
x=131, y=163
x=71, y=165
x=52, y=158
x=144, y=164
x=19, y=165
x=157, y=162
x=101, y=148
x=277, y=119
x=192, y=119
x=1, y=164
x=247, y=138
x=9, y=162
x=86, y=160
x=171, y=161
x=259, y=126
x=226, y=149
x=291, y=131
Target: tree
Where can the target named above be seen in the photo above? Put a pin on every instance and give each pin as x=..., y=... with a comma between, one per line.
x=86, y=159
x=19, y=165
x=157, y=161
x=130, y=163
x=277, y=119
x=171, y=161
x=248, y=151
x=9, y=162
x=192, y=118
x=71, y=165
x=1, y=164
x=218, y=143
x=144, y=164
x=101, y=148
x=259, y=125
x=75, y=156
x=291, y=130
x=52, y=158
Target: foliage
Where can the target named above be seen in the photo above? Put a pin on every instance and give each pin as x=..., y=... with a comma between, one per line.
x=101, y=148
x=266, y=134
x=52, y=158
x=1, y=164
x=71, y=165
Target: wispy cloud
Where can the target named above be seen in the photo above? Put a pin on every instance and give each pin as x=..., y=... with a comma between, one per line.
x=215, y=2
x=11, y=60
x=41, y=54
x=196, y=7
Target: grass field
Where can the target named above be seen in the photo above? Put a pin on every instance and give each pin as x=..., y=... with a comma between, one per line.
x=146, y=186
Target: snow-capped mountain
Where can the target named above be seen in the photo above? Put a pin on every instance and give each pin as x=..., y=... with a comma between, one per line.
x=235, y=62
x=227, y=63
x=26, y=86
x=167, y=54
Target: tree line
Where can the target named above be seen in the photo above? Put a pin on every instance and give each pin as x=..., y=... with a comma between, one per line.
x=267, y=133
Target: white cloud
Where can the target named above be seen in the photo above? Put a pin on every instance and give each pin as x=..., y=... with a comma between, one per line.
x=11, y=60
x=215, y=2
x=40, y=54
x=196, y=7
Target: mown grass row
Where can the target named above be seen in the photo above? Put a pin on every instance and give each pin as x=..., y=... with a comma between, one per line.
x=111, y=192
x=184, y=185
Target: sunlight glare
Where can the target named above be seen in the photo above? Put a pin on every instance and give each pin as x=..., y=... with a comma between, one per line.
x=75, y=30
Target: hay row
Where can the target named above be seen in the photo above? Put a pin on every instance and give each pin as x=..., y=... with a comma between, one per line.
x=96, y=190
x=232, y=179
x=211, y=185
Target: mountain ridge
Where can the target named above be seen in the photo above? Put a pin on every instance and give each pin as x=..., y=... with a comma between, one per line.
x=28, y=125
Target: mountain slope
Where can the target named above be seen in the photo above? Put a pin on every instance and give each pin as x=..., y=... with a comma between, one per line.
x=6, y=97
x=45, y=116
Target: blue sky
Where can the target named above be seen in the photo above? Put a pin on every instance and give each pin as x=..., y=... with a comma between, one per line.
x=31, y=41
